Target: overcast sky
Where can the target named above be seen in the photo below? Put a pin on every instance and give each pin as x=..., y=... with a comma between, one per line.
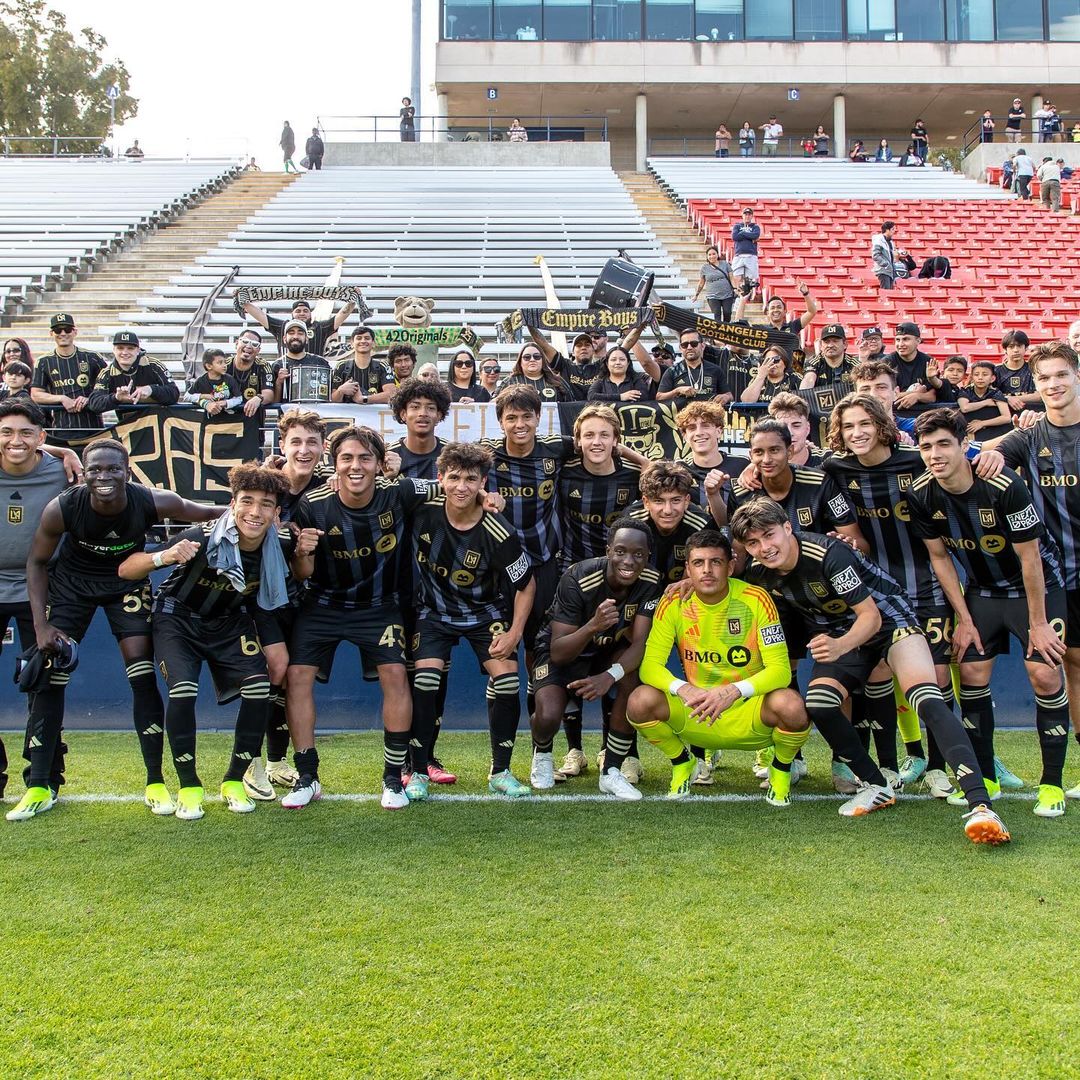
x=218, y=77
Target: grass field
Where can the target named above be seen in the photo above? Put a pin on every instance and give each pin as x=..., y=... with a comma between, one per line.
x=550, y=938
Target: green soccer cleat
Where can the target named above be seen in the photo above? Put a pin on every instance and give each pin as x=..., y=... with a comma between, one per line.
x=1008, y=780
x=843, y=779
x=416, y=790
x=682, y=774
x=36, y=801
x=912, y=769
x=779, y=793
x=189, y=802
x=1051, y=801
x=958, y=798
x=159, y=800
x=236, y=798
x=506, y=783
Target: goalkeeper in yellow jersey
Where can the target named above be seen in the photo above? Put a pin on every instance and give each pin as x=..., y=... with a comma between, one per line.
x=735, y=695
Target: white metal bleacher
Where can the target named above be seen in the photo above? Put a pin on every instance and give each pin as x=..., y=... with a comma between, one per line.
x=466, y=237
x=57, y=216
x=793, y=178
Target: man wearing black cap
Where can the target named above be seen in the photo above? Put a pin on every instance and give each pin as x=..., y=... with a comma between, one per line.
x=65, y=377
x=294, y=340
x=133, y=378
x=831, y=364
x=911, y=365
x=871, y=344
x=318, y=332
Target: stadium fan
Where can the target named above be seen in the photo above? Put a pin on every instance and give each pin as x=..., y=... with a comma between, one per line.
x=715, y=279
x=66, y=376
x=616, y=379
x=871, y=344
x=985, y=408
x=533, y=371
x=133, y=378
x=16, y=349
x=774, y=375
x=948, y=378
x=295, y=354
x=735, y=693
x=253, y=375
x=16, y=378
x=462, y=380
x=692, y=378
x=401, y=357
x=777, y=316
x=579, y=371
x=359, y=379
x=832, y=365
x=202, y=613
x=101, y=523
x=1013, y=375
x=318, y=332
x=490, y=370
x=745, y=235
x=215, y=390
x=858, y=616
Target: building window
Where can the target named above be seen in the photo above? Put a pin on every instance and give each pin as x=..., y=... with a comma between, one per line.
x=567, y=20
x=1019, y=20
x=467, y=20
x=920, y=20
x=818, y=20
x=871, y=20
x=617, y=20
x=969, y=20
x=518, y=20
x=669, y=20
x=768, y=20
x=1064, y=20
x=719, y=20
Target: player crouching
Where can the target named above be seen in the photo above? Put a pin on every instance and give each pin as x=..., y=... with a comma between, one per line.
x=735, y=695
x=203, y=613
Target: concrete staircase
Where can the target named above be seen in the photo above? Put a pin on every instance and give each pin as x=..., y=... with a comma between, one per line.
x=99, y=301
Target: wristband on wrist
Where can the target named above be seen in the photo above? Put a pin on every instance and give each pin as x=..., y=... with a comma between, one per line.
x=616, y=671
x=158, y=559
x=676, y=685
x=745, y=688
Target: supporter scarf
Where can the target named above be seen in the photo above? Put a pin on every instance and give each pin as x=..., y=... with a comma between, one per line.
x=573, y=322
x=428, y=335
x=260, y=294
x=756, y=338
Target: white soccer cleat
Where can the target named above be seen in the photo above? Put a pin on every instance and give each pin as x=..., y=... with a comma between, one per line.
x=393, y=797
x=938, y=784
x=612, y=782
x=542, y=773
x=894, y=780
x=257, y=784
x=983, y=826
x=869, y=798
x=305, y=790
x=281, y=773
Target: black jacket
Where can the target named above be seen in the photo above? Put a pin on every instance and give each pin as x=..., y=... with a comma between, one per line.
x=144, y=372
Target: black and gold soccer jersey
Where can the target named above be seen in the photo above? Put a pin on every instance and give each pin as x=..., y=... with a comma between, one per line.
x=530, y=486
x=813, y=501
x=74, y=376
x=144, y=372
x=371, y=379
x=417, y=466
x=253, y=380
x=1018, y=381
x=879, y=494
x=359, y=556
x=979, y=528
x=1049, y=460
x=828, y=580
x=733, y=466
x=466, y=578
x=196, y=588
x=668, y=556
x=582, y=589
x=838, y=377
x=589, y=503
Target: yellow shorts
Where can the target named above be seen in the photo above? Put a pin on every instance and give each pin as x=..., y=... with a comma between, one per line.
x=739, y=727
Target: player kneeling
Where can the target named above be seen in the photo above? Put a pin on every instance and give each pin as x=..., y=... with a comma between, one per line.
x=735, y=695
x=590, y=645
x=202, y=613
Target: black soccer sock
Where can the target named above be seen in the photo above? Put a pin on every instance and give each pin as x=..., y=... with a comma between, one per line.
x=618, y=749
x=440, y=709
x=180, y=726
x=543, y=745
x=1052, y=721
x=698, y=752
x=572, y=725
x=1076, y=735
x=250, y=726
x=425, y=698
x=395, y=750
x=149, y=716
x=504, y=713
x=943, y=726
x=935, y=759
x=307, y=762
x=977, y=714
x=783, y=766
x=824, y=705
x=881, y=715
x=860, y=720
x=530, y=697
x=277, y=727
x=3, y=768
x=56, y=775
x=43, y=729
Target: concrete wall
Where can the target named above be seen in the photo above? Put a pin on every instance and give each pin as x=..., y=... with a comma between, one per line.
x=480, y=154
x=995, y=153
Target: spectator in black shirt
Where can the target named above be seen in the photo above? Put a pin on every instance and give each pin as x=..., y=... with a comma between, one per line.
x=314, y=149
x=777, y=316
x=318, y=332
x=17, y=378
x=871, y=344
x=911, y=367
x=461, y=378
x=618, y=381
x=1014, y=124
x=985, y=409
x=65, y=377
x=215, y=390
x=253, y=374
x=1013, y=376
x=948, y=379
x=578, y=372
x=132, y=378
x=362, y=380
x=490, y=371
x=295, y=341
x=531, y=369
x=773, y=376
x=691, y=378
x=402, y=359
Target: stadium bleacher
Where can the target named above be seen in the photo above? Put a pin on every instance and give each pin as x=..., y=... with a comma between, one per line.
x=57, y=217
x=1010, y=259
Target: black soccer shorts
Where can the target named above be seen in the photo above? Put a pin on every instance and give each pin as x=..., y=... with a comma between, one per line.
x=229, y=647
x=434, y=639
x=379, y=634
x=996, y=618
x=852, y=670
x=72, y=607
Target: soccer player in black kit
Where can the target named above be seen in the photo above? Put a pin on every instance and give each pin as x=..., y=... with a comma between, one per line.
x=101, y=523
x=473, y=583
x=421, y=406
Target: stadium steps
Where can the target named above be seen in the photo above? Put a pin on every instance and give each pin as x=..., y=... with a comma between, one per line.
x=113, y=285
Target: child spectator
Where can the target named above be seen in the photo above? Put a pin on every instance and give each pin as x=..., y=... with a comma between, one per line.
x=948, y=379
x=17, y=378
x=215, y=390
x=985, y=409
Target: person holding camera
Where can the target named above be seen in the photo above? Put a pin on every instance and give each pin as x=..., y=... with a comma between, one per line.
x=745, y=234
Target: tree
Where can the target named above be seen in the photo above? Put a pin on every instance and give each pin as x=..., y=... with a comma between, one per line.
x=53, y=82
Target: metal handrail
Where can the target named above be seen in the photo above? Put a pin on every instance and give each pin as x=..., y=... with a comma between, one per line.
x=1030, y=132
x=55, y=145
x=491, y=127
x=790, y=146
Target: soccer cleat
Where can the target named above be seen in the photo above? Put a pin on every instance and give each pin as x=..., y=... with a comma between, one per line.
x=703, y=774
x=189, y=802
x=574, y=764
x=600, y=760
x=843, y=779
x=236, y=797
x=1008, y=780
x=682, y=773
x=257, y=784
x=912, y=769
x=393, y=795
x=542, y=773
x=305, y=790
x=159, y=800
x=762, y=761
x=36, y=801
x=506, y=783
x=632, y=770
x=799, y=771
x=437, y=774
x=779, y=792
x=938, y=783
x=281, y=773
x=1073, y=792
x=612, y=782
x=714, y=758
x=983, y=826
x=416, y=788
x=958, y=798
x=1051, y=801
x=870, y=797
x=894, y=780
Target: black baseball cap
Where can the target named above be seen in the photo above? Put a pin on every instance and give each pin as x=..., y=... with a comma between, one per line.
x=872, y=331
x=125, y=337
x=909, y=328
x=748, y=209
x=61, y=321
x=302, y=301
x=583, y=337
x=833, y=330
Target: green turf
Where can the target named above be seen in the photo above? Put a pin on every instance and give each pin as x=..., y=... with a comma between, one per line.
x=500, y=940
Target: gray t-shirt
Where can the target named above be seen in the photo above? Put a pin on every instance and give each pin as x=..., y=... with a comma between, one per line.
x=24, y=499
x=717, y=280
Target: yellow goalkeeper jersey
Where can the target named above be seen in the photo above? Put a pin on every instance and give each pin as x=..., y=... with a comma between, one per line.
x=738, y=639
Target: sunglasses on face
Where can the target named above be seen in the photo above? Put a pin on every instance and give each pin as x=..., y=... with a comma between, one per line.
x=689, y=344
x=492, y=370
x=531, y=356
x=463, y=363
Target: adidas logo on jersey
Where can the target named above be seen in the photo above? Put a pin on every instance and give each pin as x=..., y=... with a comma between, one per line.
x=502, y=467
x=1046, y=452
x=938, y=515
x=111, y=535
x=426, y=537
x=333, y=531
x=854, y=485
x=575, y=494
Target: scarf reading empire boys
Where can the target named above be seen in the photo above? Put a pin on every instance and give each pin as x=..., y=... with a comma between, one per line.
x=260, y=294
